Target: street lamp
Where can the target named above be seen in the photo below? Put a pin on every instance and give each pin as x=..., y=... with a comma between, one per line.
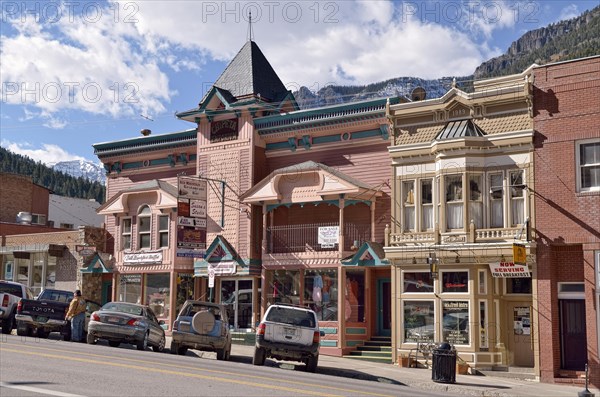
x=433, y=265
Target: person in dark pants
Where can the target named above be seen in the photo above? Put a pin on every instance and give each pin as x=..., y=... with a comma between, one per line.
x=76, y=314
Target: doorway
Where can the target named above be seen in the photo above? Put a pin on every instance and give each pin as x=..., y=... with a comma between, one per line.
x=237, y=297
x=519, y=332
x=573, y=336
x=384, y=309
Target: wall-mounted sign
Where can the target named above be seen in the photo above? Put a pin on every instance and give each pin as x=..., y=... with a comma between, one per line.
x=193, y=222
x=191, y=237
x=509, y=270
x=131, y=278
x=190, y=253
x=183, y=208
x=191, y=188
x=328, y=236
x=198, y=208
x=85, y=250
x=224, y=130
x=519, y=254
x=142, y=257
x=222, y=268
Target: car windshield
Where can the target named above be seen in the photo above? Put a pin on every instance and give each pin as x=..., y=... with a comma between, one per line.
x=123, y=308
x=290, y=316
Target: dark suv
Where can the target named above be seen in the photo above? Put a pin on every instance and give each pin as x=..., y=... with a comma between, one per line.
x=202, y=326
x=288, y=333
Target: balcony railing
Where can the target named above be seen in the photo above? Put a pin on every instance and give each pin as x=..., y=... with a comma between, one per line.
x=305, y=237
x=474, y=235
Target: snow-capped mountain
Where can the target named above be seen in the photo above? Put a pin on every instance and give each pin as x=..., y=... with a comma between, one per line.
x=82, y=168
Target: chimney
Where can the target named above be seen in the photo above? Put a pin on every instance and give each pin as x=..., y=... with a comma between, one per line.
x=145, y=132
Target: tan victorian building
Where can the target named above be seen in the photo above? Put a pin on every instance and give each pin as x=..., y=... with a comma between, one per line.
x=462, y=169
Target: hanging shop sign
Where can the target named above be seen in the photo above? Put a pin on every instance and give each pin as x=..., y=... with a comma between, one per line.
x=183, y=207
x=191, y=188
x=509, y=270
x=85, y=250
x=328, y=236
x=192, y=222
x=519, y=254
x=198, y=209
x=142, y=257
x=191, y=237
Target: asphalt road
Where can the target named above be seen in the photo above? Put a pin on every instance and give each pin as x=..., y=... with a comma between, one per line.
x=34, y=367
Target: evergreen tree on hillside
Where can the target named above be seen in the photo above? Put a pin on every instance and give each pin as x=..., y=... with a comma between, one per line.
x=58, y=182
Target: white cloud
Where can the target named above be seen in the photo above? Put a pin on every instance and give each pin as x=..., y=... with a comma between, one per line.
x=47, y=154
x=569, y=12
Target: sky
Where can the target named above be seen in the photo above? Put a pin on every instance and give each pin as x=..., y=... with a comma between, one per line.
x=75, y=73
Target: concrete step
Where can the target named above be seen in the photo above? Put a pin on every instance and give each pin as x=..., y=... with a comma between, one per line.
x=371, y=353
x=375, y=348
x=384, y=360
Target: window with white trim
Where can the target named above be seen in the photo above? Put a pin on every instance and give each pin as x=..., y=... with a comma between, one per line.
x=426, y=204
x=476, y=200
x=454, y=201
x=496, y=207
x=144, y=227
x=588, y=165
x=408, y=195
x=126, y=233
x=517, y=198
x=38, y=219
x=163, y=231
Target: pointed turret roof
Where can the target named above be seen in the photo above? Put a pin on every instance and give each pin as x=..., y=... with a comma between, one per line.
x=249, y=74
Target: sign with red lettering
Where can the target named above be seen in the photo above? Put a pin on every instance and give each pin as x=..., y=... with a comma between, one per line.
x=509, y=270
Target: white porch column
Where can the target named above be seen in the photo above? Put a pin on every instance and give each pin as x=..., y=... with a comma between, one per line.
x=373, y=219
x=341, y=235
x=264, y=230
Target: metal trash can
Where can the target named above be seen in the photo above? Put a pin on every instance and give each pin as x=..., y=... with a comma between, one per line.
x=443, y=368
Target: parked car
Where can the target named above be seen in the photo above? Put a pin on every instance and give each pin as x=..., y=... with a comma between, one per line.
x=202, y=326
x=122, y=322
x=44, y=314
x=10, y=294
x=288, y=333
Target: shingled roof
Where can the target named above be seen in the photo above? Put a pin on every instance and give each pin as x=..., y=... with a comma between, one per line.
x=249, y=73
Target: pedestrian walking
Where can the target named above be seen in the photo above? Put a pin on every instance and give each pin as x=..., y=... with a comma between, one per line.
x=76, y=314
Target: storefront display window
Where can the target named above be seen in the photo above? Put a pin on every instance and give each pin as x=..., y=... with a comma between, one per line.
x=455, y=322
x=355, y=296
x=22, y=266
x=158, y=293
x=419, y=321
x=455, y=281
x=9, y=268
x=284, y=287
x=417, y=282
x=51, y=272
x=38, y=267
x=320, y=293
x=185, y=289
x=130, y=288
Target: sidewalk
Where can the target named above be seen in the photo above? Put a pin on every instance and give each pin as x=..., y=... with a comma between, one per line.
x=469, y=385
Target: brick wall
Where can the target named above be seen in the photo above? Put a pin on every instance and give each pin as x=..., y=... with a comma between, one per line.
x=17, y=195
x=566, y=109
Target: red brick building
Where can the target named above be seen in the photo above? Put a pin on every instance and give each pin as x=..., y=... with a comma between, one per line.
x=567, y=204
x=17, y=195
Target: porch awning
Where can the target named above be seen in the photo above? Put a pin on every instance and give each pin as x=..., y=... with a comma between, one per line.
x=308, y=182
x=370, y=253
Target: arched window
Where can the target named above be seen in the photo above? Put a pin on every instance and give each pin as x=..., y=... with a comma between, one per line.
x=144, y=227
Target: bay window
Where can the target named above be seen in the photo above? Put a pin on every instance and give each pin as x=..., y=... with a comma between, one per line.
x=476, y=200
x=496, y=207
x=427, y=204
x=454, y=202
x=408, y=194
x=517, y=198
x=144, y=225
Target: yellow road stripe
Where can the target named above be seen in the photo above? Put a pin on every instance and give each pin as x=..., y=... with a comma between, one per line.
x=264, y=378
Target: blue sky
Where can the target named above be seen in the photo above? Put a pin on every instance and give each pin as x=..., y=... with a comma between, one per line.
x=77, y=73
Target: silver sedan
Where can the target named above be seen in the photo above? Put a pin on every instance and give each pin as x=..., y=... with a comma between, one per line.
x=121, y=322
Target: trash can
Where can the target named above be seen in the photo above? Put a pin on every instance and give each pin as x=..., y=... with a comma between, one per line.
x=443, y=368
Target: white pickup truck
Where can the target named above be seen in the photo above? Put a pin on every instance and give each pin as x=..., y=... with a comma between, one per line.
x=10, y=294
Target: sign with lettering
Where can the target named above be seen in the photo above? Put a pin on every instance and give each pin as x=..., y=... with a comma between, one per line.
x=190, y=253
x=198, y=209
x=183, y=208
x=509, y=270
x=224, y=130
x=191, y=237
x=222, y=268
x=328, y=236
x=142, y=257
x=195, y=222
x=519, y=254
x=191, y=188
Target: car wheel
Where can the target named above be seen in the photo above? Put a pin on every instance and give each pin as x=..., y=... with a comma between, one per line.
x=23, y=329
x=161, y=345
x=222, y=353
x=259, y=357
x=8, y=324
x=311, y=363
x=91, y=339
x=174, y=348
x=182, y=351
x=143, y=344
x=114, y=343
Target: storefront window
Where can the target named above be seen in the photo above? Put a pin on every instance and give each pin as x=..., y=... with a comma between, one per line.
x=158, y=293
x=38, y=267
x=22, y=266
x=455, y=281
x=51, y=272
x=130, y=288
x=419, y=321
x=9, y=268
x=320, y=293
x=185, y=289
x=284, y=287
x=355, y=296
x=518, y=285
x=455, y=322
x=417, y=282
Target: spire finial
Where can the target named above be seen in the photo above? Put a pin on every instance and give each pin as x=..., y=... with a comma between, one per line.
x=250, y=35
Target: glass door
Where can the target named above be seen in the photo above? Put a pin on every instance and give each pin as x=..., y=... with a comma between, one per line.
x=237, y=296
